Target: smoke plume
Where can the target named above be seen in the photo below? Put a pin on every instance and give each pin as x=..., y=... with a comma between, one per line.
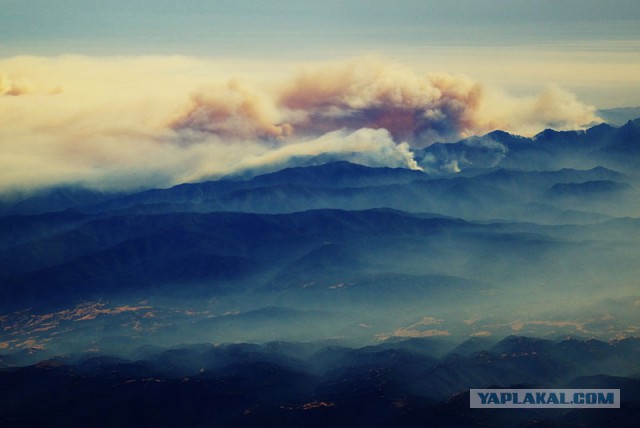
x=158, y=121
x=233, y=111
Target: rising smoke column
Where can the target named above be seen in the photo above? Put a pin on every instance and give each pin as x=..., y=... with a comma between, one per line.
x=368, y=93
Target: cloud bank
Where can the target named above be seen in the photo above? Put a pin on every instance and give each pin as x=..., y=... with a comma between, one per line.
x=14, y=87
x=132, y=122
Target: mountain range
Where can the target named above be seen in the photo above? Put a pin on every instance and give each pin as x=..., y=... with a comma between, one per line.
x=329, y=292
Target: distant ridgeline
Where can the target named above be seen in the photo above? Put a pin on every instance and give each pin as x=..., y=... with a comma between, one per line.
x=619, y=116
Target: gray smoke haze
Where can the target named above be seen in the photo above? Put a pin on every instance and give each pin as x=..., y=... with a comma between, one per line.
x=123, y=123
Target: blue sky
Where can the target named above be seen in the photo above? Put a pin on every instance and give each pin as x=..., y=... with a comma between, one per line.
x=286, y=27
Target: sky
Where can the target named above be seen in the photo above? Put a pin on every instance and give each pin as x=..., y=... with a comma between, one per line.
x=201, y=88
x=590, y=46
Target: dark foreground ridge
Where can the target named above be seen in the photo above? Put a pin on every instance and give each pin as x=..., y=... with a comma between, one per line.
x=415, y=382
